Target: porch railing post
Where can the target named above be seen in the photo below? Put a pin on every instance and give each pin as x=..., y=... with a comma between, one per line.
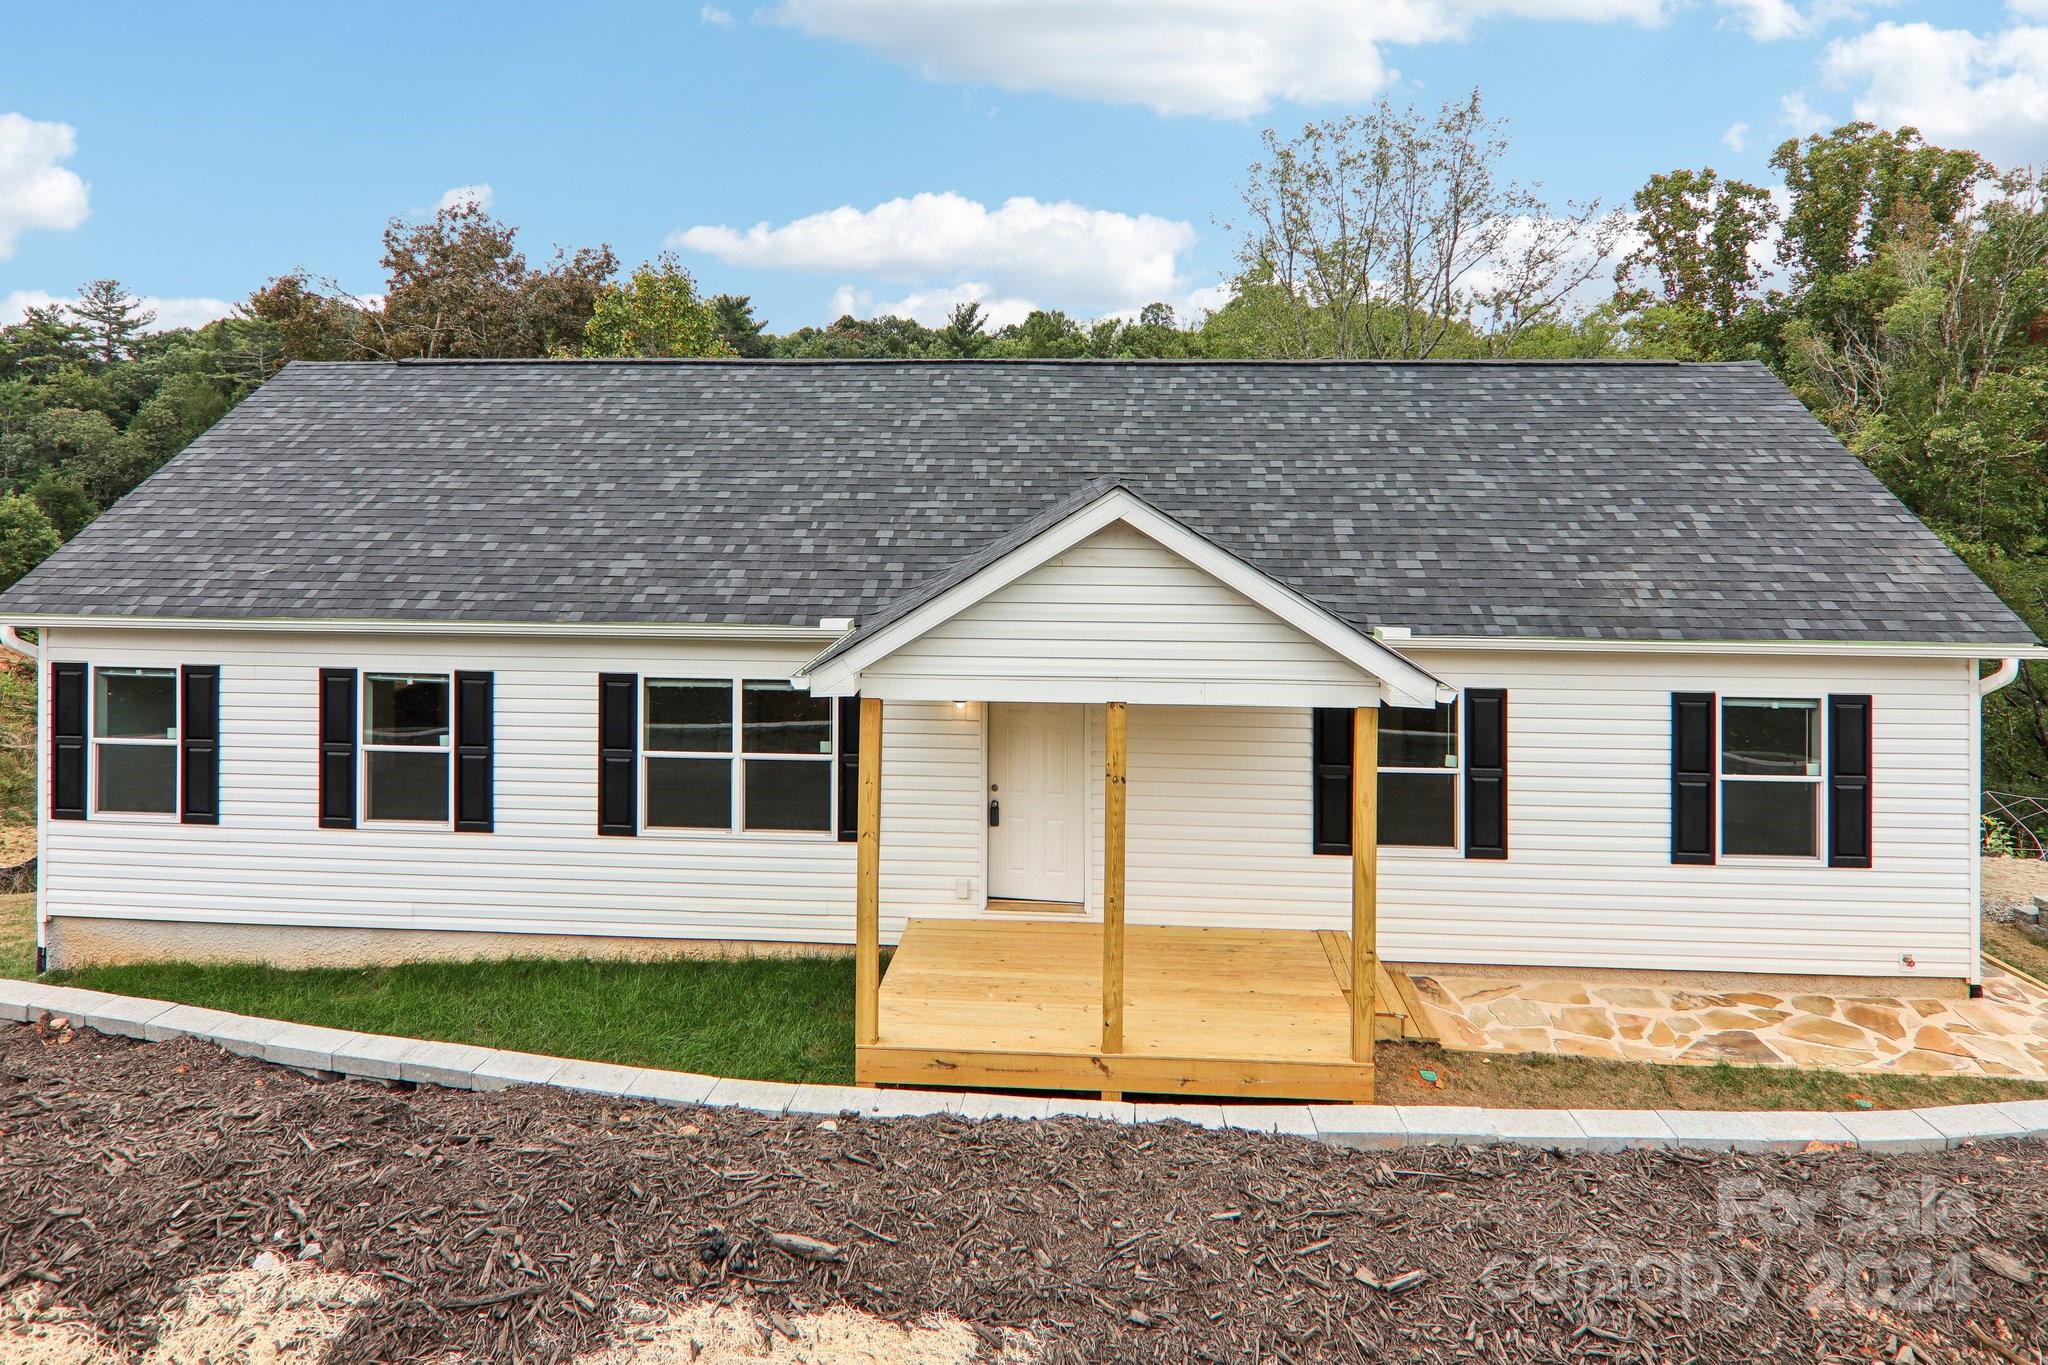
x=1115, y=745
x=867, y=905
x=1365, y=877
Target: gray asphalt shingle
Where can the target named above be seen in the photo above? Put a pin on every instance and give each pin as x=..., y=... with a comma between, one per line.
x=1605, y=500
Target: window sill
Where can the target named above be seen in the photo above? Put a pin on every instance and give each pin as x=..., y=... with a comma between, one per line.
x=797, y=837
x=133, y=817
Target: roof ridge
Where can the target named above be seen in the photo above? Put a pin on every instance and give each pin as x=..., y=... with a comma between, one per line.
x=1192, y=362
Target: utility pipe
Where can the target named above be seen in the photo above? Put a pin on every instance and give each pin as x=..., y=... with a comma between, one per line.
x=2001, y=676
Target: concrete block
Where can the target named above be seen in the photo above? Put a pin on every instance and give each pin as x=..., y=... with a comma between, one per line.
x=17, y=996
x=2031, y=1115
x=1552, y=1129
x=1797, y=1129
x=124, y=1016
x=1891, y=1130
x=306, y=1046
x=242, y=1035
x=1369, y=1126
x=1717, y=1131
x=451, y=1064
x=66, y=1002
x=596, y=1078
x=516, y=1068
x=1295, y=1120
x=1201, y=1115
x=1081, y=1107
x=184, y=1021
x=1447, y=1125
x=1620, y=1130
x=766, y=1097
x=839, y=1099
x=374, y=1056
x=1960, y=1123
x=669, y=1087
x=983, y=1106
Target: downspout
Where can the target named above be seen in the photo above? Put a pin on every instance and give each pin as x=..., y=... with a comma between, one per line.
x=2001, y=676
x=10, y=638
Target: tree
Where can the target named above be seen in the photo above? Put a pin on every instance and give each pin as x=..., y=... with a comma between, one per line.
x=1383, y=234
x=655, y=313
x=43, y=342
x=1853, y=190
x=305, y=323
x=64, y=502
x=738, y=328
x=965, y=334
x=1695, y=273
x=1043, y=335
x=110, y=317
x=26, y=537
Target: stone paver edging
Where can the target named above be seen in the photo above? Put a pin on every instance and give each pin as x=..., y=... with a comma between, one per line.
x=375, y=1056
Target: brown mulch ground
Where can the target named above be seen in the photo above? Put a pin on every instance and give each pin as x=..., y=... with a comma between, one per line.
x=513, y=1226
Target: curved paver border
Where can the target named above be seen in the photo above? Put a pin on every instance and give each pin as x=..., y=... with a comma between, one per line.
x=376, y=1056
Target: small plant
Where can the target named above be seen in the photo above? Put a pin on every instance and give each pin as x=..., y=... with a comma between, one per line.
x=1998, y=839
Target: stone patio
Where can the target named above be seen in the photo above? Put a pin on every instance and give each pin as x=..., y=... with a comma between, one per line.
x=2003, y=1034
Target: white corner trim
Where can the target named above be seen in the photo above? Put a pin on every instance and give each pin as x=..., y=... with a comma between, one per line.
x=1864, y=649
x=614, y=630
x=1402, y=681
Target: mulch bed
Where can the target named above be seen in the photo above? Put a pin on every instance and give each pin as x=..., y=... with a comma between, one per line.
x=510, y=1226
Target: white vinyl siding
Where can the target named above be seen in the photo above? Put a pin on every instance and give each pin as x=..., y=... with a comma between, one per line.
x=1219, y=804
x=1121, y=608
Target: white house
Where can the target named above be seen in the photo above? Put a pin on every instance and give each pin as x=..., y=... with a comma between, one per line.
x=463, y=658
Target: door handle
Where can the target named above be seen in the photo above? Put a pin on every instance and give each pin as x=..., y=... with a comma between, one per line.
x=995, y=812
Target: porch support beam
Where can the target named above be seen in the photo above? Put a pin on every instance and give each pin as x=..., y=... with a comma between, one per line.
x=1365, y=877
x=867, y=905
x=1116, y=745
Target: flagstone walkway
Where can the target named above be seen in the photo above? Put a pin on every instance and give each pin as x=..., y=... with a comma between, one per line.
x=2003, y=1034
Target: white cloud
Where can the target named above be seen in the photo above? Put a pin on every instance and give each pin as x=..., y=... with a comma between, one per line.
x=1737, y=136
x=170, y=313
x=716, y=17
x=1802, y=118
x=1228, y=58
x=2028, y=9
x=480, y=195
x=1086, y=258
x=1768, y=20
x=36, y=191
x=931, y=306
x=1951, y=84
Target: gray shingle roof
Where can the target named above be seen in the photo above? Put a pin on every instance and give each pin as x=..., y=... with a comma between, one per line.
x=1649, y=501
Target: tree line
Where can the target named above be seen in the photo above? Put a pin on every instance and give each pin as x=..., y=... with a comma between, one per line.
x=1899, y=288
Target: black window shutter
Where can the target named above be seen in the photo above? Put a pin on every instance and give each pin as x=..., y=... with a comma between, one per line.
x=67, y=741
x=849, y=769
x=1694, y=763
x=1330, y=783
x=199, y=744
x=1486, y=772
x=337, y=748
x=618, y=753
x=1849, y=763
x=473, y=752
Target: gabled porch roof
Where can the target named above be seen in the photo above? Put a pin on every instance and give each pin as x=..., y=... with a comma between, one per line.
x=1335, y=663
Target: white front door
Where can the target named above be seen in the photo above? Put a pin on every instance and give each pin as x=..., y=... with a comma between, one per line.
x=1038, y=809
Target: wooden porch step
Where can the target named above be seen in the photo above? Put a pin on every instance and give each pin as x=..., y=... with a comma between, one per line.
x=1396, y=1010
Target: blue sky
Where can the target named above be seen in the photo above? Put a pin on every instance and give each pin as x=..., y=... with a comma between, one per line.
x=236, y=142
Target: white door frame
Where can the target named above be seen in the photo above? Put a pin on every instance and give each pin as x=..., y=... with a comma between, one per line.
x=1075, y=892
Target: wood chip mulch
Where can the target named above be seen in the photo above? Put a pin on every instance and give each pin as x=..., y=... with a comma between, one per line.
x=512, y=1226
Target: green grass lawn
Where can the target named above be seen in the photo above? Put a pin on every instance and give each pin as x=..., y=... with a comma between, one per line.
x=2007, y=943
x=17, y=936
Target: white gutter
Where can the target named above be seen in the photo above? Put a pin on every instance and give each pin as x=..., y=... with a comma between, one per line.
x=11, y=639
x=611, y=630
x=2001, y=676
x=1807, y=648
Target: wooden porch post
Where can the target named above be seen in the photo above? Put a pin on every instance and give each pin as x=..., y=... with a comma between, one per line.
x=1365, y=877
x=867, y=905
x=1115, y=745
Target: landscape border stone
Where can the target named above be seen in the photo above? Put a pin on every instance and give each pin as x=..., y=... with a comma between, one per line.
x=376, y=1056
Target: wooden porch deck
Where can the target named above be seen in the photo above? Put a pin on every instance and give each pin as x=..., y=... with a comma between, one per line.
x=1243, y=1012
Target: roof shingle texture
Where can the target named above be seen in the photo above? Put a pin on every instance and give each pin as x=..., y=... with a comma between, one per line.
x=1641, y=501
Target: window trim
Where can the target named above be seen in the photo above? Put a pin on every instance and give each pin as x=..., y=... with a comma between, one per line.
x=175, y=742
x=735, y=756
x=364, y=748
x=1818, y=781
x=1455, y=773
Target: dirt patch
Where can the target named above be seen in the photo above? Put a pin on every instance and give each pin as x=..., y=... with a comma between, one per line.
x=521, y=1226
x=2010, y=883
x=271, y=1311
x=730, y=1333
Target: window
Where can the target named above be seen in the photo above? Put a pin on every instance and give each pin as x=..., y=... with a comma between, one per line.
x=724, y=754
x=135, y=740
x=1770, y=777
x=406, y=759
x=1419, y=776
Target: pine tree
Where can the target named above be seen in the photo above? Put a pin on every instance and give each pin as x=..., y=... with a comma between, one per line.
x=112, y=318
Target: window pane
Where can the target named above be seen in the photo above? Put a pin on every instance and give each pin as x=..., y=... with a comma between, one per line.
x=1770, y=738
x=138, y=777
x=788, y=794
x=407, y=786
x=1418, y=809
x=781, y=720
x=404, y=710
x=1418, y=737
x=1770, y=817
x=689, y=793
x=135, y=703
x=689, y=717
